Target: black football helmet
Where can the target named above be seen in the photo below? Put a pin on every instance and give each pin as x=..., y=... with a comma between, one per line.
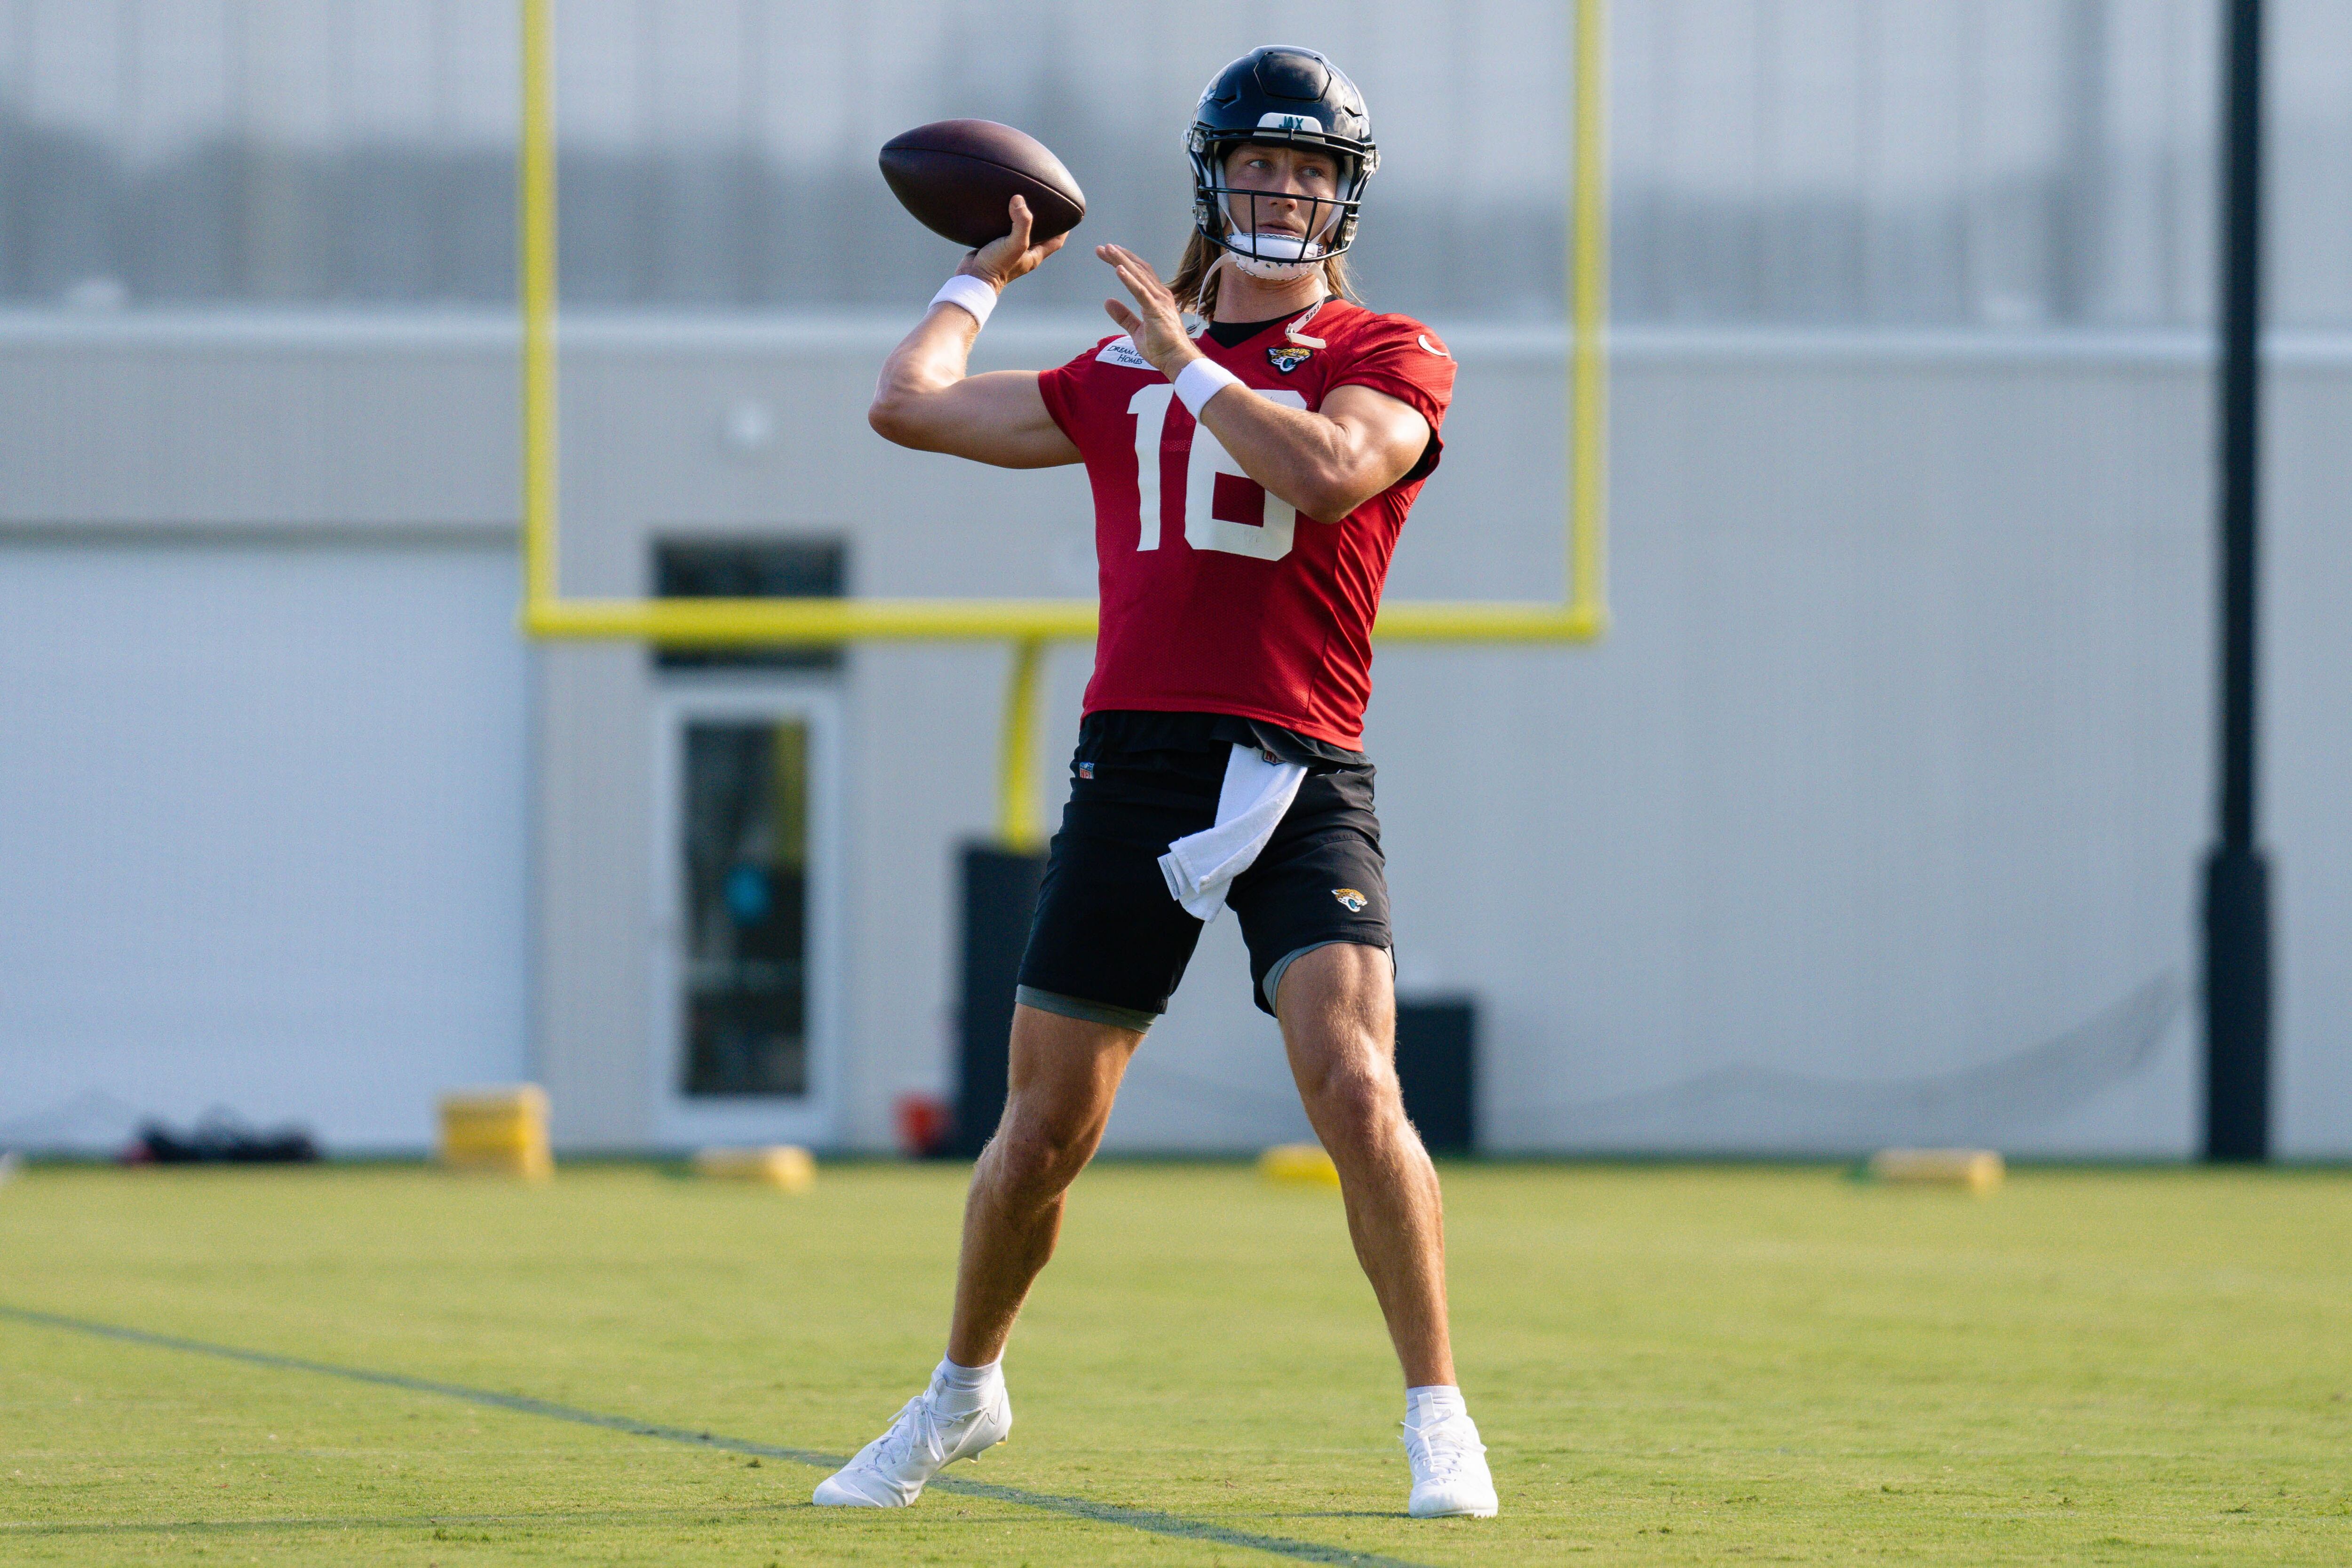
x=1282, y=94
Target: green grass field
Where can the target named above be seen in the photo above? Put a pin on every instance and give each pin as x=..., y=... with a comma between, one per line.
x=1669, y=1365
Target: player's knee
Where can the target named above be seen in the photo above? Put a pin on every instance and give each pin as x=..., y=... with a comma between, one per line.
x=1359, y=1102
x=1037, y=1157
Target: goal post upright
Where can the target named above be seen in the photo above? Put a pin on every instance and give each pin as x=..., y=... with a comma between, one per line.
x=1018, y=826
x=1587, y=316
x=535, y=255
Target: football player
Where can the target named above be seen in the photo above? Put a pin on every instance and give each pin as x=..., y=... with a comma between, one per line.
x=1250, y=479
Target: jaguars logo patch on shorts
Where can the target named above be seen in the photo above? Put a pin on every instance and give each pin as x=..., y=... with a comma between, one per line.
x=1351, y=899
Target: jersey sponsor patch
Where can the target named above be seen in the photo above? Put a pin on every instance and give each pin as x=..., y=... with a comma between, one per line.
x=1288, y=357
x=1122, y=351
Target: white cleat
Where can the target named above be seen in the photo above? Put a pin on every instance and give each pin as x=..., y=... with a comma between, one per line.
x=1450, y=1479
x=892, y=1470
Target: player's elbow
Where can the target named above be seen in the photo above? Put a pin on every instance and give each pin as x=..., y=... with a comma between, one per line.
x=895, y=416
x=923, y=418
x=1335, y=488
x=1328, y=497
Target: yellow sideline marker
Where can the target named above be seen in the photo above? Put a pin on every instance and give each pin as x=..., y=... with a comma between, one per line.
x=1978, y=1170
x=502, y=1130
x=784, y=1165
x=1299, y=1165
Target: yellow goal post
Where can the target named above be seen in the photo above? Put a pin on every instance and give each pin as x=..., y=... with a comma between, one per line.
x=1581, y=615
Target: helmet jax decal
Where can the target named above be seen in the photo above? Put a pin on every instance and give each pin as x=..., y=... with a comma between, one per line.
x=1354, y=900
x=1288, y=357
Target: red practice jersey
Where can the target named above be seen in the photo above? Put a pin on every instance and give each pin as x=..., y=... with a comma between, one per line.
x=1216, y=597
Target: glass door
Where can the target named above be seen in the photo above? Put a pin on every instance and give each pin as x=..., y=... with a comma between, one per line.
x=746, y=939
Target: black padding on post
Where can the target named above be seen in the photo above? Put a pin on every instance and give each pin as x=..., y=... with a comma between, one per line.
x=2237, y=1006
x=1000, y=895
x=1436, y=1054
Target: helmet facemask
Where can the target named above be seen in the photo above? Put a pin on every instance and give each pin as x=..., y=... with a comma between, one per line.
x=1276, y=254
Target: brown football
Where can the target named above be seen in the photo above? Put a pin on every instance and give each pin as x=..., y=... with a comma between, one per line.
x=959, y=175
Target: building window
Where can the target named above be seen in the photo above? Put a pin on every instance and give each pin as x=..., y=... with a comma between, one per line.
x=749, y=569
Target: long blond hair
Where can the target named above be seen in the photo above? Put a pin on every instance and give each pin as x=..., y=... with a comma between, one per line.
x=1195, y=283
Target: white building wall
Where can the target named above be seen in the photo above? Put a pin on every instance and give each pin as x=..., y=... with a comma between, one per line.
x=2307, y=730
x=1876, y=817
x=261, y=832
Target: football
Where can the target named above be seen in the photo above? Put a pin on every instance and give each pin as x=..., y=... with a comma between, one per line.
x=957, y=177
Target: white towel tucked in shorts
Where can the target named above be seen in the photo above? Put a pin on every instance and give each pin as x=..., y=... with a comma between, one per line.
x=1200, y=866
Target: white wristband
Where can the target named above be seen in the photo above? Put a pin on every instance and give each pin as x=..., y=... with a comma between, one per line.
x=967, y=293
x=1202, y=380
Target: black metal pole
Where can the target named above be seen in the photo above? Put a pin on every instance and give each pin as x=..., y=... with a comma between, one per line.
x=2237, y=880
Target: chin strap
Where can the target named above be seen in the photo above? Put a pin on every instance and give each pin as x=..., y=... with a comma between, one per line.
x=1290, y=331
x=1301, y=339
x=1201, y=292
x=1206, y=278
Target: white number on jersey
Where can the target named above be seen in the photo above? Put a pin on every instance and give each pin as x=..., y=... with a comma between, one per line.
x=1207, y=460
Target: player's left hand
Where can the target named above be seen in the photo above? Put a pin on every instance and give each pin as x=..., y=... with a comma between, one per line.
x=1156, y=324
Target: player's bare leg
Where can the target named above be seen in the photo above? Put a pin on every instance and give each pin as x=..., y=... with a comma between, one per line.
x=1061, y=1080
x=1064, y=1073
x=1338, y=1008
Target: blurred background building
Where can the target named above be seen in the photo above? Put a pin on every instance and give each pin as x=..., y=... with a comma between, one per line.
x=1876, y=818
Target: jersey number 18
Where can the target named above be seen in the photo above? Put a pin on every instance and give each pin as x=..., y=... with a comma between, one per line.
x=1207, y=461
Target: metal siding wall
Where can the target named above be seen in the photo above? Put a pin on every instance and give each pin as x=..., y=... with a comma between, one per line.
x=2001, y=162
x=2306, y=762
x=188, y=421
x=645, y=454
x=593, y=901
x=1894, y=775
x=262, y=829
x=1892, y=769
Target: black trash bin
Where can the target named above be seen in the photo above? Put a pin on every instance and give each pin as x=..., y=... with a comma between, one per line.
x=1000, y=895
x=1436, y=1059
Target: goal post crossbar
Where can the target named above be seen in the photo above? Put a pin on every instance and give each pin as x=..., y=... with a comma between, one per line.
x=1582, y=615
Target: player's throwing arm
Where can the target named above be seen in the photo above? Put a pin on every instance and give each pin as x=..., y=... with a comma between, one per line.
x=925, y=399
x=1325, y=464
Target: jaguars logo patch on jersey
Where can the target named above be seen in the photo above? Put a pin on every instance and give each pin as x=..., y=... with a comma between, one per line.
x=1353, y=900
x=1288, y=357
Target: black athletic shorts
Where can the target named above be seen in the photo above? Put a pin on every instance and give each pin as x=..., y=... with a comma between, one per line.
x=1108, y=933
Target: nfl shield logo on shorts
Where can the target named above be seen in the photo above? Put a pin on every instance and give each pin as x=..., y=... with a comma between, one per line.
x=1353, y=900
